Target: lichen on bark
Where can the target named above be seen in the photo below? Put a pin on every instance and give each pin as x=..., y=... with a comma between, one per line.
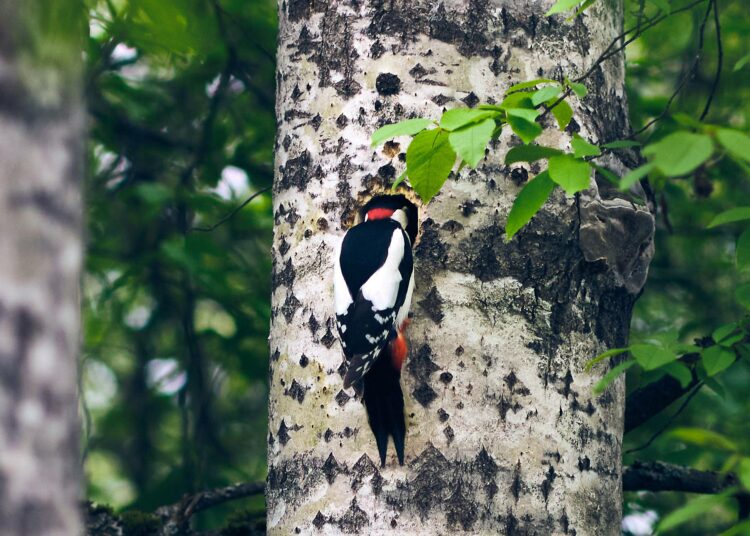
x=504, y=434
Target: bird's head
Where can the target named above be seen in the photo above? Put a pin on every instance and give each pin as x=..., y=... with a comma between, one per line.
x=396, y=207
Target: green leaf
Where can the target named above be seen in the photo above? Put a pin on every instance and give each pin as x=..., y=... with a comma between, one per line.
x=562, y=5
x=528, y=202
x=743, y=471
x=470, y=142
x=680, y=372
x=563, y=114
x=582, y=148
x=460, y=117
x=528, y=114
x=742, y=62
x=604, y=355
x=518, y=100
x=680, y=152
x=717, y=358
x=651, y=356
x=740, y=529
x=607, y=174
x=715, y=386
x=429, y=160
x=744, y=351
x=743, y=250
x=572, y=174
x=621, y=144
x=410, y=127
x=529, y=153
x=735, y=142
x=583, y=7
x=730, y=216
x=579, y=89
x=742, y=294
x=399, y=180
x=727, y=335
x=635, y=175
x=612, y=375
x=528, y=84
x=528, y=131
x=545, y=94
x=704, y=438
x=694, y=508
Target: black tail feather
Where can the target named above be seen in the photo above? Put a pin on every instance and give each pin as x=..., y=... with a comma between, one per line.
x=384, y=401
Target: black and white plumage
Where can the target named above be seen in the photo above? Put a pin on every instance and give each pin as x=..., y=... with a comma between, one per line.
x=373, y=282
x=373, y=286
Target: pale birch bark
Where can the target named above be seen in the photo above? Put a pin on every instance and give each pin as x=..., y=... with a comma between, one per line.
x=504, y=435
x=40, y=255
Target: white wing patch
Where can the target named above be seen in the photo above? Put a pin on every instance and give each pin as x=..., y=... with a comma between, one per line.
x=381, y=289
x=403, y=312
x=341, y=297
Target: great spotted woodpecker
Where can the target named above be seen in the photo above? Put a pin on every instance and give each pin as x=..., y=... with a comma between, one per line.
x=373, y=285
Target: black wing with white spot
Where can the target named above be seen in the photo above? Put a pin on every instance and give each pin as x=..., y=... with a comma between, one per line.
x=372, y=283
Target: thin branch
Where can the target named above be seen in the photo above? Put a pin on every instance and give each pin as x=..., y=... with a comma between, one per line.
x=609, y=52
x=661, y=476
x=671, y=100
x=669, y=421
x=174, y=518
x=719, y=60
x=230, y=214
x=192, y=504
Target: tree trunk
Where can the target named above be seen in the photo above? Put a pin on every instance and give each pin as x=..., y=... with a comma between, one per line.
x=504, y=434
x=40, y=255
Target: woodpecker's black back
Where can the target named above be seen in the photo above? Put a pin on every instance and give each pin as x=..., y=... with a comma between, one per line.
x=363, y=251
x=384, y=401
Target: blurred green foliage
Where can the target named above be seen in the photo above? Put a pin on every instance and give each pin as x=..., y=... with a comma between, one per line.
x=174, y=367
x=690, y=290
x=174, y=370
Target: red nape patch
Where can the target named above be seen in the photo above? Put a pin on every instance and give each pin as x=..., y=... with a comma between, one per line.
x=379, y=214
x=399, y=349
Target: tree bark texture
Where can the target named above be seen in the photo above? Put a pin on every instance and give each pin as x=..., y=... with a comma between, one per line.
x=504, y=435
x=41, y=133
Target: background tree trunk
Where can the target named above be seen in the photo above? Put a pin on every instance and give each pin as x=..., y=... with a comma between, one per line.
x=40, y=256
x=503, y=432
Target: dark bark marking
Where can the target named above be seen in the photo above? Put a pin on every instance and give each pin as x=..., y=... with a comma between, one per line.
x=430, y=483
x=470, y=100
x=284, y=277
x=328, y=339
x=388, y=84
x=517, y=484
x=424, y=394
x=332, y=468
x=313, y=324
x=361, y=470
x=449, y=434
x=48, y=204
x=296, y=172
x=443, y=415
x=432, y=304
x=549, y=478
x=354, y=520
x=319, y=520
x=342, y=398
x=460, y=509
x=296, y=391
x=290, y=306
x=442, y=100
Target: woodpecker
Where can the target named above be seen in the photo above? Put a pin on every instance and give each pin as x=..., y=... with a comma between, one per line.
x=373, y=286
